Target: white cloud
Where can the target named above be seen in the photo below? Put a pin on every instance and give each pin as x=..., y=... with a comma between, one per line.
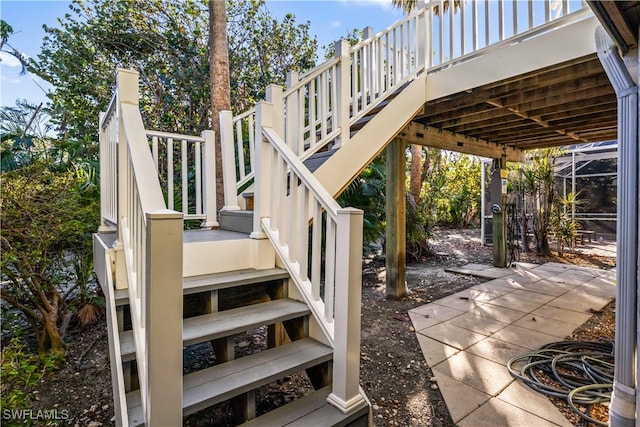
x=335, y=24
x=8, y=60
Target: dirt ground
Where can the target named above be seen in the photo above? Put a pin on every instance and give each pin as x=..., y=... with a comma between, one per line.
x=394, y=374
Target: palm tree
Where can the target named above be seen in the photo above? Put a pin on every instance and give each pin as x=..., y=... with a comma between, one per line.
x=219, y=82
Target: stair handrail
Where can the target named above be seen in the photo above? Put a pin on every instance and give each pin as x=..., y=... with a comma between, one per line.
x=335, y=297
x=150, y=236
x=431, y=38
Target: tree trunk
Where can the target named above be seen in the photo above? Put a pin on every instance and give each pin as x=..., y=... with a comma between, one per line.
x=51, y=339
x=415, y=182
x=219, y=83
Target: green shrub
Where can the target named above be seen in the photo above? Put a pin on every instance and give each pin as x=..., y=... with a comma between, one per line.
x=47, y=221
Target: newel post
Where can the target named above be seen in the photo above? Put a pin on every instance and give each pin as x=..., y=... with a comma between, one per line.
x=127, y=93
x=263, y=169
x=346, y=394
x=228, y=161
x=163, y=318
x=209, y=180
x=344, y=89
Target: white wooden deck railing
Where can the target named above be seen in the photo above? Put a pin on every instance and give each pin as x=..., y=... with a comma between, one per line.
x=319, y=106
x=108, y=134
x=150, y=236
x=186, y=169
x=324, y=257
x=473, y=27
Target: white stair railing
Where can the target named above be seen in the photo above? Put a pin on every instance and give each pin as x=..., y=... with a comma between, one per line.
x=324, y=258
x=150, y=237
x=187, y=171
x=321, y=105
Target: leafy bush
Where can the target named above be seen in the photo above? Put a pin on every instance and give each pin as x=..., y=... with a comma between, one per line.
x=20, y=372
x=47, y=220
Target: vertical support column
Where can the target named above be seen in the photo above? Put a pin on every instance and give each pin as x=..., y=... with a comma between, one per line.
x=346, y=356
x=263, y=172
x=209, y=180
x=573, y=186
x=396, y=235
x=227, y=145
x=164, y=318
x=344, y=89
x=498, y=223
x=483, y=178
x=623, y=409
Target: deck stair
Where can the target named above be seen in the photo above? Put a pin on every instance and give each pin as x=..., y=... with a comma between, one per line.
x=284, y=257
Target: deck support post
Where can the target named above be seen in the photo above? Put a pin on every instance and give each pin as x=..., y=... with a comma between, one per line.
x=622, y=412
x=498, y=201
x=396, y=240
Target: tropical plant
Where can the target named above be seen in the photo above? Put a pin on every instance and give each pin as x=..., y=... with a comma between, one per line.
x=20, y=372
x=563, y=225
x=47, y=217
x=537, y=183
x=5, y=32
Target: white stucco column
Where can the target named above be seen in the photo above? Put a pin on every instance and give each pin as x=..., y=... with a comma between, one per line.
x=622, y=412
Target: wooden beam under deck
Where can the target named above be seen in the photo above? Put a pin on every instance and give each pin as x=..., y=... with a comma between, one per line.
x=416, y=133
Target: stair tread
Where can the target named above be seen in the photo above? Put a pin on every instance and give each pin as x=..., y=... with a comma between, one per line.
x=310, y=410
x=221, y=382
x=225, y=323
x=227, y=279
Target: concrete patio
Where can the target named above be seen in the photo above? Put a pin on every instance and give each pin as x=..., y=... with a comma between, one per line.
x=468, y=337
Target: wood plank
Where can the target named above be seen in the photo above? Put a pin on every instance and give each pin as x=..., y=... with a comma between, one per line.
x=310, y=410
x=210, y=282
x=226, y=323
x=219, y=383
x=127, y=346
x=230, y=322
x=222, y=382
x=416, y=133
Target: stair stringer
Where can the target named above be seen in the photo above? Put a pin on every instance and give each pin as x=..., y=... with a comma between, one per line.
x=344, y=166
x=103, y=266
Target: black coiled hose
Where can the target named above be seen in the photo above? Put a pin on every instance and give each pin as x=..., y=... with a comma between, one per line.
x=581, y=372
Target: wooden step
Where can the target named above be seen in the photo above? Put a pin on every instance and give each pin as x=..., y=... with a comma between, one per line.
x=210, y=282
x=222, y=382
x=317, y=159
x=310, y=410
x=240, y=221
x=226, y=323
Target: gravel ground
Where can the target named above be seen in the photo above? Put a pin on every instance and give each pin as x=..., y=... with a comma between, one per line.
x=394, y=374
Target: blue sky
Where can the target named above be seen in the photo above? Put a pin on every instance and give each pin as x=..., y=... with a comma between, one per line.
x=329, y=19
